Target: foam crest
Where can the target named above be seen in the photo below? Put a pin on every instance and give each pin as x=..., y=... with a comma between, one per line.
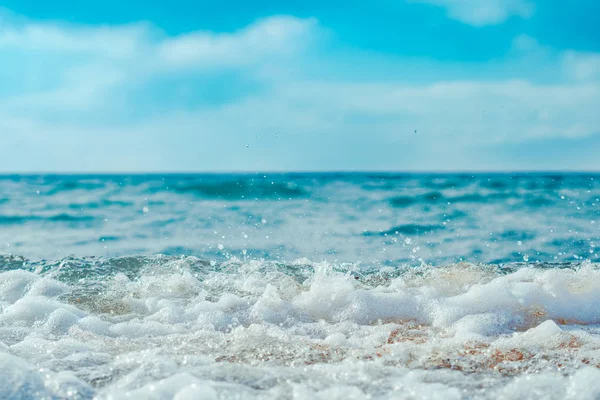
x=179, y=329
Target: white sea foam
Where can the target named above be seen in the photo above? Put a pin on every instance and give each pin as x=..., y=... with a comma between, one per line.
x=263, y=330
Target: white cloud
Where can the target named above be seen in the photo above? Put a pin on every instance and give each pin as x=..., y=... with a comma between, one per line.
x=526, y=43
x=573, y=65
x=272, y=37
x=582, y=66
x=95, y=115
x=117, y=42
x=483, y=12
x=368, y=125
x=269, y=37
x=475, y=112
x=95, y=62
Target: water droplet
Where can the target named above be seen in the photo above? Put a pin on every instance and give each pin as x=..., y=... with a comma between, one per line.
x=525, y=258
x=247, y=145
x=519, y=243
x=220, y=246
x=145, y=210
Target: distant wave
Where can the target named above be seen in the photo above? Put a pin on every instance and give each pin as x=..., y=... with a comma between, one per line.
x=406, y=229
x=243, y=190
x=99, y=204
x=439, y=198
x=63, y=217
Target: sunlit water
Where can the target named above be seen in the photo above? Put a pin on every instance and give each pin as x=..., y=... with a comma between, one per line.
x=300, y=286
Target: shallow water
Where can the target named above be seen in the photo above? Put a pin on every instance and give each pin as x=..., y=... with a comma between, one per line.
x=300, y=286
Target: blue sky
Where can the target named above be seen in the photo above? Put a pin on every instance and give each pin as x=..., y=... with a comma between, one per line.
x=269, y=85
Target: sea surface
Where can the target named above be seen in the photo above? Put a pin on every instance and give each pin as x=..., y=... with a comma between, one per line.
x=268, y=286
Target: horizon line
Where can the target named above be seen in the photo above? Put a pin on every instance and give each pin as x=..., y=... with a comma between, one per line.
x=246, y=172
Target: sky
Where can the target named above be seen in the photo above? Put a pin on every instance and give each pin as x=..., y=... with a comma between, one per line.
x=265, y=85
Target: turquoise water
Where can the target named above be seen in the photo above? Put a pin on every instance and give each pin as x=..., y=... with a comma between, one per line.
x=372, y=219
x=303, y=286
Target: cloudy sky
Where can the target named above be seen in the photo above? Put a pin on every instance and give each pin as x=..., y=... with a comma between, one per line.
x=186, y=85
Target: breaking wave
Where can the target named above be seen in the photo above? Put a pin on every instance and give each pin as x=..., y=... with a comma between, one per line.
x=183, y=327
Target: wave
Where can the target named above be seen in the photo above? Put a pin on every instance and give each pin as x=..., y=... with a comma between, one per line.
x=406, y=229
x=100, y=204
x=427, y=198
x=133, y=326
x=439, y=198
x=242, y=190
x=62, y=217
x=58, y=186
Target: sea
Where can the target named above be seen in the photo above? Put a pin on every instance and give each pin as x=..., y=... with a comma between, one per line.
x=300, y=286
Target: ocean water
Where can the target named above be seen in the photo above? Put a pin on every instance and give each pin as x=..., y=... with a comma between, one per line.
x=328, y=286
